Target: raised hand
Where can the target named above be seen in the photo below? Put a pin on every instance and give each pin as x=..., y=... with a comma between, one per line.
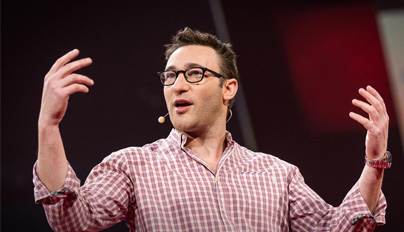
x=377, y=123
x=61, y=82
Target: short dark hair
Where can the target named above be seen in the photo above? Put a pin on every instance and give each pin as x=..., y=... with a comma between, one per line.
x=227, y=56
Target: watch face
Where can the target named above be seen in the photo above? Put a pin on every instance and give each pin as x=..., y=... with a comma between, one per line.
x=389, y=159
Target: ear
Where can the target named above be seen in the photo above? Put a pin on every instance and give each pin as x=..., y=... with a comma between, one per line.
x=229, y=89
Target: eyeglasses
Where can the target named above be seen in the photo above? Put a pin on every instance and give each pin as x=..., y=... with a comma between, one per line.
x=192, y=75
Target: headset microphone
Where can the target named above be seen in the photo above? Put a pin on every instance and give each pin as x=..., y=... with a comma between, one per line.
x=162, y=118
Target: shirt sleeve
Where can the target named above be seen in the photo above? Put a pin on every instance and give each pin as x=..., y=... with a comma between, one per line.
x=100, y=203
x=309, y=212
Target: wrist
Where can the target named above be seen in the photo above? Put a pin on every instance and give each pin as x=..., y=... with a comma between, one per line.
x=46, y=122
x=46, y=129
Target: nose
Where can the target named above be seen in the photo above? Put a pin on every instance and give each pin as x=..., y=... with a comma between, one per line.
x=181, y=84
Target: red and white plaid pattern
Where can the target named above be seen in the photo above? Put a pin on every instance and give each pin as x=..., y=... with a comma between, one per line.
x=164, y=186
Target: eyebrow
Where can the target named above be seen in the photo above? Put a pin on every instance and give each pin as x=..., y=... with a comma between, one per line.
x=187, y=65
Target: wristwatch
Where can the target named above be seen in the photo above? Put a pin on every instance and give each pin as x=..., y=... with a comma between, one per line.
x=384, y=162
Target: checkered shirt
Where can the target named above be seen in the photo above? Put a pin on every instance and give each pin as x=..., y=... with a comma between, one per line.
x=164, y=186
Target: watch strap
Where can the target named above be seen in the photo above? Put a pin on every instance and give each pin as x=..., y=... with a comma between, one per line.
x=384, y=162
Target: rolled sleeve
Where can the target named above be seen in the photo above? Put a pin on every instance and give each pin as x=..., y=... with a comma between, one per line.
x=42, y=194
x=355, y=203
x=308, y=212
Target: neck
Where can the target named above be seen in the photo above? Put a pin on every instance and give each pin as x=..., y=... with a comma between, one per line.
x=208, y=146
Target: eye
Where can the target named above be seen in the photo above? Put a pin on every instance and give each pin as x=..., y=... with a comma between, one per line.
x=194, y=73
x=169, y=74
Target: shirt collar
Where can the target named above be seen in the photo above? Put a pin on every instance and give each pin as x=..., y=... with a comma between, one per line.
x=180, y=139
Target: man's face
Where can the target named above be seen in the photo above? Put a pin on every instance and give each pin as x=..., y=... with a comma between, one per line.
x=195, y=107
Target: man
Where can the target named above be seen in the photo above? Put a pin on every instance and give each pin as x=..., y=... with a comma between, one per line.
x=198, y=178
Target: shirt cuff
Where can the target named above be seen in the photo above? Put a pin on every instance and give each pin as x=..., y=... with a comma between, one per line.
x=42, y=194
x=355, y=203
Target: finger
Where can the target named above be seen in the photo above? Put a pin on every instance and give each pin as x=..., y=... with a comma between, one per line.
x=64, y=60
x=362, y=120
x=371, y=99
x=376, y=94
x=368, y=96
x=74, y=66
x=76, y=78
x=373, y=113
x=75, y=88
x=380, y=106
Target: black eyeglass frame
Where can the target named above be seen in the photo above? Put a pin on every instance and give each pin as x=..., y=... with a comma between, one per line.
x=204, y=69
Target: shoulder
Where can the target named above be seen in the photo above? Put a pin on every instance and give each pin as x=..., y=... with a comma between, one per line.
x=144, y=153
x=265, y=160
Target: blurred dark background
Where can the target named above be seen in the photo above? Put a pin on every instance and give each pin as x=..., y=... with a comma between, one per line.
x=301, y=63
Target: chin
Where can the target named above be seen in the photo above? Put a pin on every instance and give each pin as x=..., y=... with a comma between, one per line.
x=183, y=125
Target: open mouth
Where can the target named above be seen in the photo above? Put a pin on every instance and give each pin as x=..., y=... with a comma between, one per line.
x=181, y=105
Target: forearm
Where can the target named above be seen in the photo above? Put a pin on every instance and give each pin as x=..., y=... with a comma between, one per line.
x=52, y=162
x=59, y=83
x=370, y=184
